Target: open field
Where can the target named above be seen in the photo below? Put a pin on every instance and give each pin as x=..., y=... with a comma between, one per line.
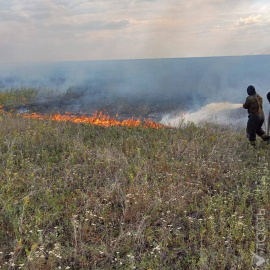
x=78, y=196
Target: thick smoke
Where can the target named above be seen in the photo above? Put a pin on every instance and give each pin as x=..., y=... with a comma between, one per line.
x=222, y=113
x=147, y=88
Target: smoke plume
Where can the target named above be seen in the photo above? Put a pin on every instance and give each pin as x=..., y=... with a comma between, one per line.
x=223, y=113
x=143, y=88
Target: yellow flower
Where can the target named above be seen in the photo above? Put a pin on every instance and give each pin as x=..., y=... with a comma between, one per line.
x=26, y=200
x=34, y=246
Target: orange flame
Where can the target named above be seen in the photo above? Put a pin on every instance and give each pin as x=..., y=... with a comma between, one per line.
x=98, y=118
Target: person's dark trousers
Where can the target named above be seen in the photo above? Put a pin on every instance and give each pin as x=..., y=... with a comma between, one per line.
x=254, y=126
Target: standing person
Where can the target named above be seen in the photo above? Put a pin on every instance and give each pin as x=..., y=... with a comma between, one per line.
x=254, y=105
x=268, y=124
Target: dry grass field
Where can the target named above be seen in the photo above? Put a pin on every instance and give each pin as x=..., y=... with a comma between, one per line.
x=79, y=196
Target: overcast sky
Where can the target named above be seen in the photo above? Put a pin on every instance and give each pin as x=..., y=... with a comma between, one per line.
x=63, y=30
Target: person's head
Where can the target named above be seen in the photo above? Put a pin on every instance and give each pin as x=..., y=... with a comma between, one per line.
x=251, y=90
x=268, y=97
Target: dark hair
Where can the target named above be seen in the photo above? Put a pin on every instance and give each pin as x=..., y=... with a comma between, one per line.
x=268, y=96
x=251, y=90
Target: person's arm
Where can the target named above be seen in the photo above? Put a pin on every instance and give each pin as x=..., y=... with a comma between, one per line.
x=261, y=102
x=246, y=104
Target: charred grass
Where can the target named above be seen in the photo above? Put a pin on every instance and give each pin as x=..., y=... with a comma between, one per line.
x=76, y=196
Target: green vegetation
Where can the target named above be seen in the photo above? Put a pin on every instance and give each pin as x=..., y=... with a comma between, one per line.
x=17, y=96
x=87, y=197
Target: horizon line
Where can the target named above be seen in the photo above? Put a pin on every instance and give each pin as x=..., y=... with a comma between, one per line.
x=131, y=59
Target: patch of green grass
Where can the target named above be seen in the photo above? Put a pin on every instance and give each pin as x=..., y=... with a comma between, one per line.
x=17, y=96
x=90, y=197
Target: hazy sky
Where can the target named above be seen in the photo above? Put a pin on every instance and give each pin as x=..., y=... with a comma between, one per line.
x=62, y=30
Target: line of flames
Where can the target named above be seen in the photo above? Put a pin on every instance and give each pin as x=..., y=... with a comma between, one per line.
x=98, y=118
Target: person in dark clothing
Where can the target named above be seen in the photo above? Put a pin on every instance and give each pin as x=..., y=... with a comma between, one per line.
x=254, y=105
x=268, y=124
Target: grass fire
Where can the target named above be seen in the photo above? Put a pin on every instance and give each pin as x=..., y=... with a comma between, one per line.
x=98, y=119
x=21, y=98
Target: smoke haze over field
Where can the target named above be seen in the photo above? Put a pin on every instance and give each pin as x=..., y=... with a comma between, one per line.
x=144, y=87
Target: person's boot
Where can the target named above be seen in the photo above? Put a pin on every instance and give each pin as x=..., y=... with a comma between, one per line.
x=266, y=138
x=252, y=143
